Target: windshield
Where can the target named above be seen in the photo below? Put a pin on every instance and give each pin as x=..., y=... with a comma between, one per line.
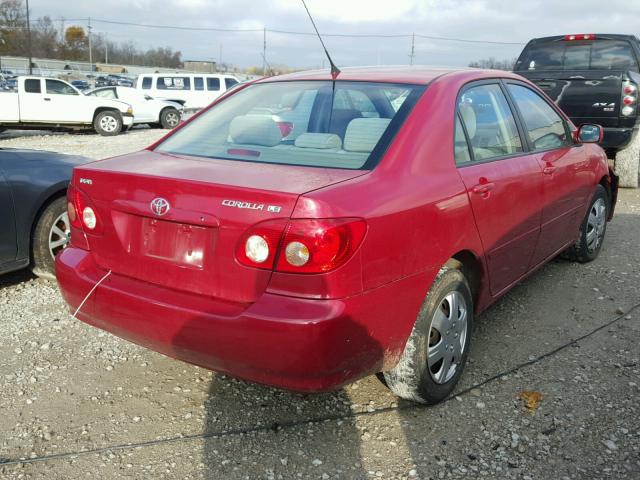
x=300, y=123
x=578, y=55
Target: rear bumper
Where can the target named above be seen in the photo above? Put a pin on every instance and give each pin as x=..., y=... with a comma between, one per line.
x=293, y=343
x=618, y=138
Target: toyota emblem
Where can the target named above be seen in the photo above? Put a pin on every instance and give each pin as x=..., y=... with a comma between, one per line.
x=160, y=206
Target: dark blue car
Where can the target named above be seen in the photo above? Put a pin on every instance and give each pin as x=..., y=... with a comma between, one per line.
x=34, y=225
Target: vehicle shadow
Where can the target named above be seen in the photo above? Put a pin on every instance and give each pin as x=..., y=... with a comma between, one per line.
x=14, y=278
x=255, y=431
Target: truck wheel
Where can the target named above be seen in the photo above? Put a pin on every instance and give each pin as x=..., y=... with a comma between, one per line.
x=437, y=349
x=169, y=118
x=50, y=237
x=592, y=229
x=108, y=123
x=628, y=164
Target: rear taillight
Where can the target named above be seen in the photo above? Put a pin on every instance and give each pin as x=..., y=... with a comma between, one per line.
x=301, y=245
x=259, y=245
x=629, y=98
x=81, y=211
x=316, y=246
x=72, y=209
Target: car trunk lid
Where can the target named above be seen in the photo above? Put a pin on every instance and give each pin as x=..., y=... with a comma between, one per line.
x=176, y=221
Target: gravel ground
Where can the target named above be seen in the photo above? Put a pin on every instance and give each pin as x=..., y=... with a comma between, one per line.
x=88, y=144
x=78, y=403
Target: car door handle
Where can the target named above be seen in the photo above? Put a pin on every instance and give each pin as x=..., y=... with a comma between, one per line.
x=549, y=170
x=47, y=99
x=483, y=188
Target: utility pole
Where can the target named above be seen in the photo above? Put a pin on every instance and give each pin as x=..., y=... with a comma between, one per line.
x=29, y=41
x=106, y=51
x=90, y=49
x=62, y=30
x=413, y=48
x=220, y=57
x=264, y=53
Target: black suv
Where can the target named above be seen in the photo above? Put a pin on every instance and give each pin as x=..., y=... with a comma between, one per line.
x=594, y=78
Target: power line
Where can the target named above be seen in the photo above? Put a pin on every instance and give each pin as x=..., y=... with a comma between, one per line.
x=294, y=32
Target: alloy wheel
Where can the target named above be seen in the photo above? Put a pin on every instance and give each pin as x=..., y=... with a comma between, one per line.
x=447, y=337
x=108, y=123
x=59, y=234
x=596, y=223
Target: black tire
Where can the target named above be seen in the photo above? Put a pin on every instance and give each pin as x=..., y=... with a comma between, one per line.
x=169, y=118
x=108, y=123
x=43, y=262
x=413, y=378
x=587, y=248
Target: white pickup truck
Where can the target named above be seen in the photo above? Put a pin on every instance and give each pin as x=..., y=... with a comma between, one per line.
x=49, y=103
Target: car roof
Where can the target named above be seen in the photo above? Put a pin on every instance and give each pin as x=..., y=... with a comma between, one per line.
x=416, y=75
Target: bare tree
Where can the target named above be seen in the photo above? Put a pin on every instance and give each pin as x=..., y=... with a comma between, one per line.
x=492, y=64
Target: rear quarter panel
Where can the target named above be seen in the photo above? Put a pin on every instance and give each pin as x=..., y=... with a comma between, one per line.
x=35, y=178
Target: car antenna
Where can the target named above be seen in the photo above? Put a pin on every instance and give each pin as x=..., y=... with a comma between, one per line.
x=335, y=71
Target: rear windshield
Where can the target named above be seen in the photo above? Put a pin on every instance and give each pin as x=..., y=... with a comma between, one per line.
x=312, y=123
x=578, y=55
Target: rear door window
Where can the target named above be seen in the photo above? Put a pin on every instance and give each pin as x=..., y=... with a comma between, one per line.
x=489, y=122
x=198, y=83
x=461, y=146
x=545, y=128
x=313, y=123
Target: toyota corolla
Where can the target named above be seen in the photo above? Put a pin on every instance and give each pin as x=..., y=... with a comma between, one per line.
x=305, y=231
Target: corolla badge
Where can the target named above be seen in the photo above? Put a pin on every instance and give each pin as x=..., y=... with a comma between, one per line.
x=160, y=206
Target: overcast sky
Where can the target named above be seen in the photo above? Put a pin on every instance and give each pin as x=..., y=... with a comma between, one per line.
x=491, y=20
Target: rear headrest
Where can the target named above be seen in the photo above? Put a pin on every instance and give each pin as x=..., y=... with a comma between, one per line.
x=255, y=130
x=319, y=140
x=363, y=133
x=469, y=119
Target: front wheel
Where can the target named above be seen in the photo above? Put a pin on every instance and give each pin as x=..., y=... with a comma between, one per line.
x=592, y=229
x=50, y=237
x=108, y=123
x=437, y=349
x=169, y=118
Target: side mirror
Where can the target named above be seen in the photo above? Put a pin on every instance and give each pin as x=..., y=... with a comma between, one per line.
x=590, y=133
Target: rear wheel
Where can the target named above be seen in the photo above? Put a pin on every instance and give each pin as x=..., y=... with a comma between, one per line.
x=437, y=349
x=108, y=123
x=50, y=237
x=169, y=118
x=592, y=229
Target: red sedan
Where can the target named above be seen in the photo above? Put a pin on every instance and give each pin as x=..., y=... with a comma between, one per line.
x=304, y=233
